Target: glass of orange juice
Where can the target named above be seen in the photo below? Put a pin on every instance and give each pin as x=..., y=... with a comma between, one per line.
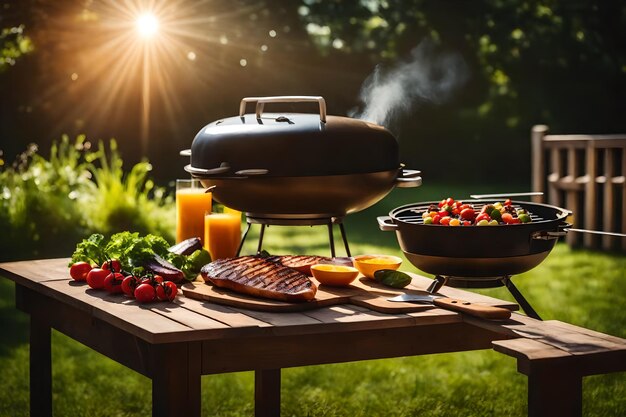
x=192, y=201
x=222, y=232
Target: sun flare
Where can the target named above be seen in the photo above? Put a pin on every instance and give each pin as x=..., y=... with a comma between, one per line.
x=147, y=25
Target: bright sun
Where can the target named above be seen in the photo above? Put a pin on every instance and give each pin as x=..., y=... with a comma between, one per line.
x=147, y=25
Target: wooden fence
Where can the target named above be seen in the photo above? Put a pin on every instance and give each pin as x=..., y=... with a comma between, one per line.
x=585, y=174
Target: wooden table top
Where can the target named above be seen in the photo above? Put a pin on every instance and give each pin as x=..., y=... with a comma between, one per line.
x=187, y=319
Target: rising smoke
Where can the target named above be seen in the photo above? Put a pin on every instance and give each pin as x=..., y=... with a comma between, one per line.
x=428, y=76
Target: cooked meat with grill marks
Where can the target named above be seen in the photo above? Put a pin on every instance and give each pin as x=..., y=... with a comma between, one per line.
x=302, y=263
x=259, y=277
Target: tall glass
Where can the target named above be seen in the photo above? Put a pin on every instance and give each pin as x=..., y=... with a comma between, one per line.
x=222, y=233
x=191, y=203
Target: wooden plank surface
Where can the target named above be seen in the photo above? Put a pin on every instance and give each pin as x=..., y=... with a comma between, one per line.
x=187, y=319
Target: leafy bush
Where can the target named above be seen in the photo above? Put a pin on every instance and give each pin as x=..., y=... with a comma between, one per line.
x=47, y=205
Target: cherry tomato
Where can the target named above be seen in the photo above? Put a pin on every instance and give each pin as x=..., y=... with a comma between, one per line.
x=449, y=201
x=443, y=213
x=467, y=223
x=166, y=291
x=79, y=271
x=436, y=219
x=445, y=220
x=144, y=293
x=95, y=278
x=468, y=214
x=112, y=265
x=507, y=218
x=508, y=202
x=158, y=278
x=129, y=284
x=482, y=216
x=113, y=282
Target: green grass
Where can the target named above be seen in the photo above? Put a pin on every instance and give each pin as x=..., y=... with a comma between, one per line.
x=577, y=286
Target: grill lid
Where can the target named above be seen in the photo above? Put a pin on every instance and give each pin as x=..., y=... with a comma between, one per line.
x=291, y=144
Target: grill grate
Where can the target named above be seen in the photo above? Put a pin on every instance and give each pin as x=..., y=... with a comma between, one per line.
x=413, y=214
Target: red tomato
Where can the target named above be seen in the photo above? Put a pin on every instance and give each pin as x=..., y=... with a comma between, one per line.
x=442, y=203
x=443, y=213
x=79, y=271
x=158, y=278
x=144, y=293
x=113, y=282
x=449, y=201
x=129, y=284
x=112, y=265
x=515, y=220
x=468, y=214
x=445, y=220
x=95, y=278
x=166, y=291
x=467, y=223
x=482, y=216
x=508, y=202
x=436, y=219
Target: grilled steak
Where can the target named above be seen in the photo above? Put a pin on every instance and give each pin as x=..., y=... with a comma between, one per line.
x=259, y=277
x=302, y=263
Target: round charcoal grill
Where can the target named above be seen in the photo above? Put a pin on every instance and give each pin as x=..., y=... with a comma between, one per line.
x=477, y=256
x=297, y=168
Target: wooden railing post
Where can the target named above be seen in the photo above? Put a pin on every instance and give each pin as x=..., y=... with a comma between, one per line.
x=537, y=163
x=590, y=194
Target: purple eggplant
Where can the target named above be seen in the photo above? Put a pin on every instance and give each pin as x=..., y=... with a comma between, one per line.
x=162, y=267
x=187, y=247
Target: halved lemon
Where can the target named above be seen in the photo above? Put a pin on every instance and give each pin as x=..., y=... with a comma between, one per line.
x=335, y=275
x=368, y=264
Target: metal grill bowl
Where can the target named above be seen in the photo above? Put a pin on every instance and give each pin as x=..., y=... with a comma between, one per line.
x=476, y=252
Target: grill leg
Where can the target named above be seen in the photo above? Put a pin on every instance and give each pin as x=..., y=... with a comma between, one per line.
x=530, y=312
x=330, y=238
x=243, y=238
x=437, y=283
x=258, y=250
x=345, y=239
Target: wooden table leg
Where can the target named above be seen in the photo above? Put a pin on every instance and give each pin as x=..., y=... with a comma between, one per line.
x=554, y=393
x=267, y=393
x=40, y=368
x=176, y=380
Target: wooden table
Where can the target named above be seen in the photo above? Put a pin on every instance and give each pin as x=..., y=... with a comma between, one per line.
x=208, y=338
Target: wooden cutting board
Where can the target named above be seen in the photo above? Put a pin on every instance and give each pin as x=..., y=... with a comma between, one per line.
x=362, y=292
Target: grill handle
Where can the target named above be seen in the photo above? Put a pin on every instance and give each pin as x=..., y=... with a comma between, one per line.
x=385, y=224
x=409, y=178
x=549, y=235
x=206, y=172
x=260, y=103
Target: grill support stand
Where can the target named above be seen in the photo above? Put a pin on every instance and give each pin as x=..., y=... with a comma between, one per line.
x=329, y=222
x=521, y=300
x=440, y=280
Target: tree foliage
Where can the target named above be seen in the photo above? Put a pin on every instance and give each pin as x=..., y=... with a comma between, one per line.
x=528, y=62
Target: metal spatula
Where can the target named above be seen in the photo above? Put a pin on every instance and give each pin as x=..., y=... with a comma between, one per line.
x=482, y=311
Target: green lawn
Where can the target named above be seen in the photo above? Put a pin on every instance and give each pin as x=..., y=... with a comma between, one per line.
x=580, y=287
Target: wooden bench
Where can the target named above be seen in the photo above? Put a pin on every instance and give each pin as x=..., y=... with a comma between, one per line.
x=555, y=356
